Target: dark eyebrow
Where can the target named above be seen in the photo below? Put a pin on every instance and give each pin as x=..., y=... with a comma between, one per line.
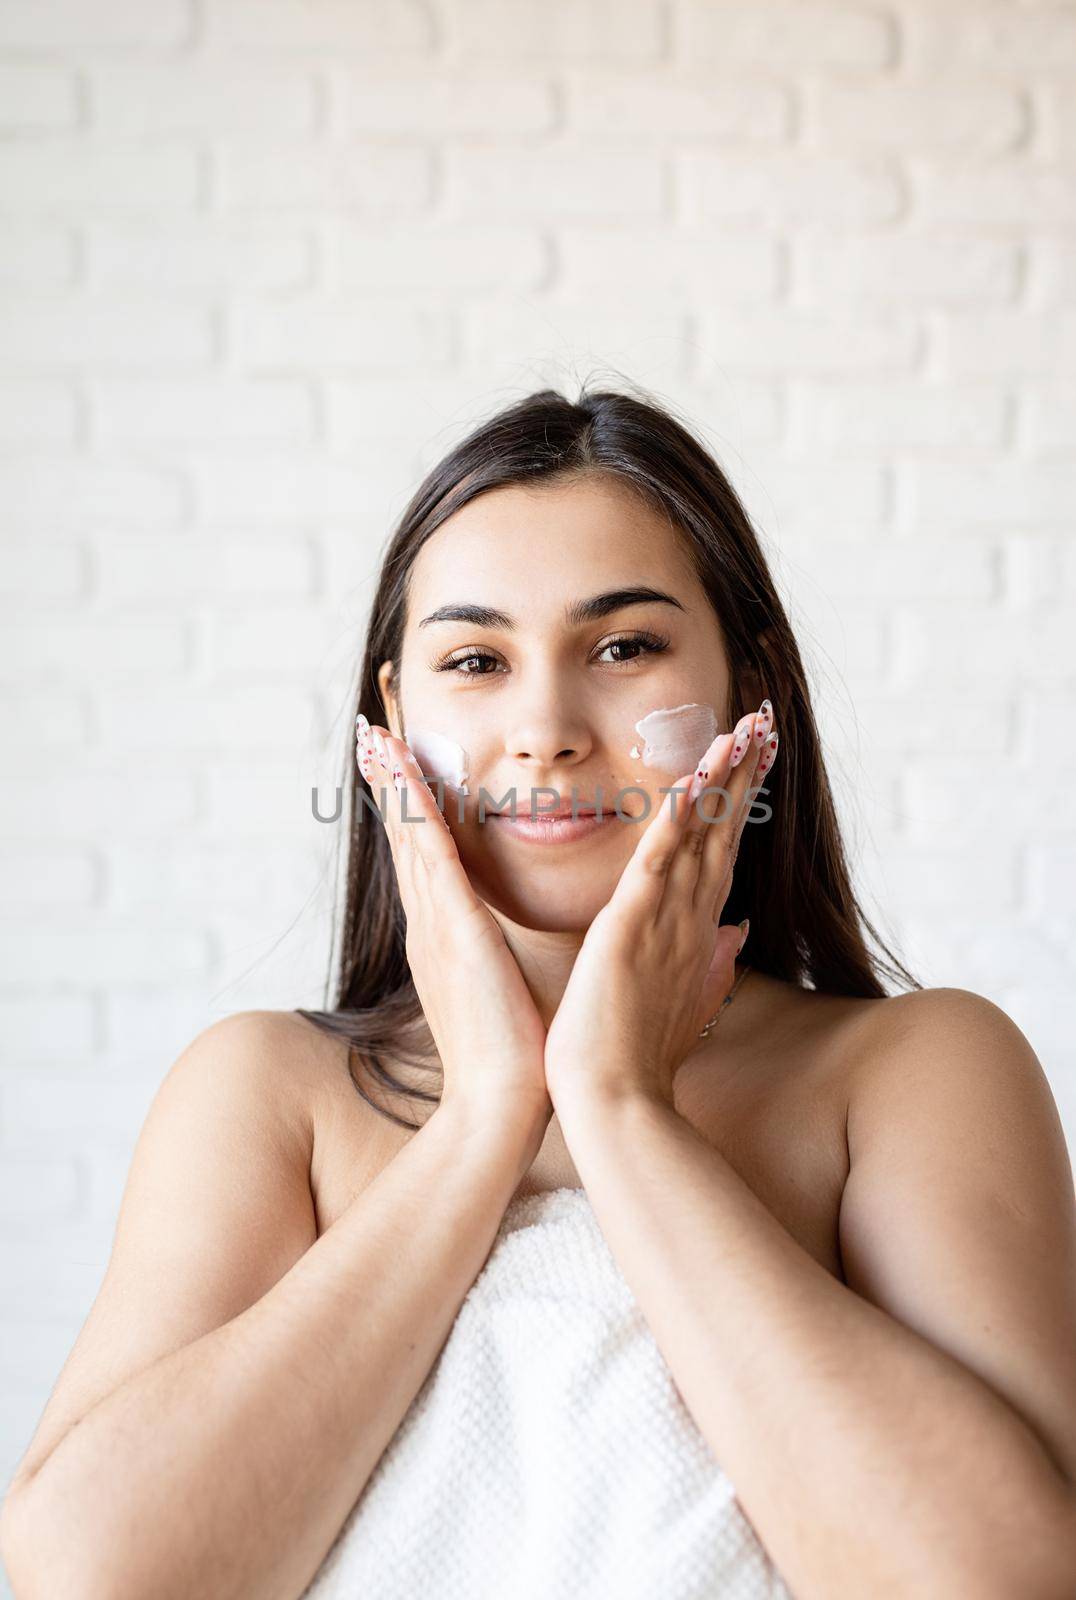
x=576, y=614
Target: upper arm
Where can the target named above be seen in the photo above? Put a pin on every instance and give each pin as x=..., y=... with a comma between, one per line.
x=958, y=1213
x=216, y=1208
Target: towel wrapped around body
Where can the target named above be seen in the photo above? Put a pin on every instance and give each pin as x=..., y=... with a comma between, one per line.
x=548, y=1455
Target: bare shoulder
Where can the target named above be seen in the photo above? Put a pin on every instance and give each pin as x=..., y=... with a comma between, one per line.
x=951, y=1070
x=351, y=1140
x=326, y=1069
x=359, y=1124
x=215, y=1210
x=284, y=1064
x=307, y=1059
x=295, y=1081
x=945, y=1045
x=942, y=1034
x=958, y=1214
x=920, y=1013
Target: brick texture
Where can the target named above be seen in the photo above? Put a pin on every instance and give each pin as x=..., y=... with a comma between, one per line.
x=261, y=261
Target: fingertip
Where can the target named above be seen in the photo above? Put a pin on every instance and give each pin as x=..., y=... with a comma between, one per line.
x=362, y=761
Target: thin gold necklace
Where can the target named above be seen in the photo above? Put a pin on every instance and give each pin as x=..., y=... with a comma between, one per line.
x=704, y=1032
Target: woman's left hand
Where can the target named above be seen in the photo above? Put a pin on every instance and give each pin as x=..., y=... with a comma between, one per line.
x=655, y=963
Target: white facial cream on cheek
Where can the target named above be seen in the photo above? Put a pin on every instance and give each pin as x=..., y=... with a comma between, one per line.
x=674, y=738
x=439, y=757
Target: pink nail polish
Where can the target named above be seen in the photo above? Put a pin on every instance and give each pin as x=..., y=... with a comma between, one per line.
x=739, y=744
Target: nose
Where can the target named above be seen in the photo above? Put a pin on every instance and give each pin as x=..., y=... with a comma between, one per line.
x=548, y=742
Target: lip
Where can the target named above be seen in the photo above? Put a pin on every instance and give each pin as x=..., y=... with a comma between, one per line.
x=550, y=828
x=580, y=810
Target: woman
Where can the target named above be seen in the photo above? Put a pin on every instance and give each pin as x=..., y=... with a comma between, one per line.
x=499, y=1275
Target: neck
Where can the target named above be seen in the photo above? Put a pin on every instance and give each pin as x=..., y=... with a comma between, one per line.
x=545, y=959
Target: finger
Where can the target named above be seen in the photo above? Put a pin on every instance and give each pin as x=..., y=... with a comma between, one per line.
x=764, y=720
x=683, y=874
x=721, y=975
x=719, y=802
x=735, y=783
x=433, y=847
x=767, y=754
x=417, y=798
x=369, y=759
x=371, y=755
x=726, y=864
x=643, y=882
x=384, y=765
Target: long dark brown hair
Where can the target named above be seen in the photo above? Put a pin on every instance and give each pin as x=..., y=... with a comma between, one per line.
x=791, y=876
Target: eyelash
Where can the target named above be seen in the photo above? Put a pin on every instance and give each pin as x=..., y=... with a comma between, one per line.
x=649, y=643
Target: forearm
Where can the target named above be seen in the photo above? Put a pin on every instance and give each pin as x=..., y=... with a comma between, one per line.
x=229, y=1466
x=868, y=1460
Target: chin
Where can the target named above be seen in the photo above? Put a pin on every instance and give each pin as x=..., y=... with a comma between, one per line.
x=561, y=905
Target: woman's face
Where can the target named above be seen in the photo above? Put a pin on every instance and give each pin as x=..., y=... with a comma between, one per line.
x=540, y=700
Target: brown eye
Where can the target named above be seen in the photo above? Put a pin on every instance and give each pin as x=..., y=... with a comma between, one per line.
x=458, y=664
x=472, y=663
x=642, y=643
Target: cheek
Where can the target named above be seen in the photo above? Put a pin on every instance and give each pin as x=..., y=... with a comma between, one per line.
x=672, y=739
x=440, y=756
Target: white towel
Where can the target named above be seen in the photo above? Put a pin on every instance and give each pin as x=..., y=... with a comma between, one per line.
x=548, y=1454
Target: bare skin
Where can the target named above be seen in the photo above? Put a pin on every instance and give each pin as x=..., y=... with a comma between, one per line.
x=556, y=704
x=907, y=1146
x=953, y=1402
x=769, y=1088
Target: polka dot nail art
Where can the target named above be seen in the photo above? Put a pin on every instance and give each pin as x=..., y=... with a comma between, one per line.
x=740, y=742
x=768, y=756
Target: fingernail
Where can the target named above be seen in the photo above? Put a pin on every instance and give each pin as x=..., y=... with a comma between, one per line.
x=741, y=740
x=381, y=747
x=765, y=717
x=768, y=756
x=712, y=757
x=362, y=724
x=719, y=751
x=744, y=929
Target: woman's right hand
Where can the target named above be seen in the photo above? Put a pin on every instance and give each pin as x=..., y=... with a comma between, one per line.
x=484, y=1022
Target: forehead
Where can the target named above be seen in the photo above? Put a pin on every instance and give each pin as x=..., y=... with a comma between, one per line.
x=548, y=544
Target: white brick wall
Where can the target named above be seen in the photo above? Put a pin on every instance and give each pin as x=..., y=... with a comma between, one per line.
x=262, y=260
